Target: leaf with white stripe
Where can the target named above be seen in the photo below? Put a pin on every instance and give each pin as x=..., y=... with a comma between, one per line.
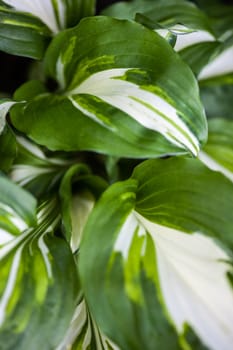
x=195, y=41
x=36, y=171
x=55, y=14
x=157, y=274
x=26, y=26
x=22, y=34
x=84, y=333
x=7, y=137
x=38, y=289
x=218, y=152
x=132, y=97
x=5, y=106
x=17, y=210
x=221, y=65
x=186, y=195
x=207, y=51
x=183, y=18
x=78, y=192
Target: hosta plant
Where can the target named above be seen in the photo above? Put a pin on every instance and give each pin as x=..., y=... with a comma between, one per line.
x=116, y=171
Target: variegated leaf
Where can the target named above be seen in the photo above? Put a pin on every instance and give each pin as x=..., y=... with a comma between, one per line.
x=7, y=137
x=57, y=14
x=183, y=18
x=5, y=106
x=17, y=210
x=77, y=204
x=34, y=170
x=159, y=260
x=38, y=289
x=26, y=26
x=132, y=97
x=22, y=34
x=84, y=334
x=218, y=152
x=221, y=65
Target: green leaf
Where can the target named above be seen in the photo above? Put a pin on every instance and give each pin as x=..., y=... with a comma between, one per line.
x=17, y=209
x=218, y=152
x=38, y=288
x=146, y=279
x=105, y=89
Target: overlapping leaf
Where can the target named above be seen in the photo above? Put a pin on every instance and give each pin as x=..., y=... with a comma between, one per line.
x=156, y=260
x=84, y=334
x=26, y=26
x=123, y=91
x=204, y=42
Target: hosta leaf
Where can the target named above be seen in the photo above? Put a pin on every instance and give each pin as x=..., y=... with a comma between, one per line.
x=69, y=203
x=158, y=275
x=179, y=17
x=195, y=38
x=107, y=88
x=134, y=321
x=218, y=153
x=128, y=10
x=56, y=14
x=17, y=210
x=38, y=288
x=185, y=195
x=78, y=192
x=22, y=34
x=174, y=12
x=221, y=65
x=5, y=106
x=26, y=26
x=84, y=334
x=36, y=171
x=200, y=54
